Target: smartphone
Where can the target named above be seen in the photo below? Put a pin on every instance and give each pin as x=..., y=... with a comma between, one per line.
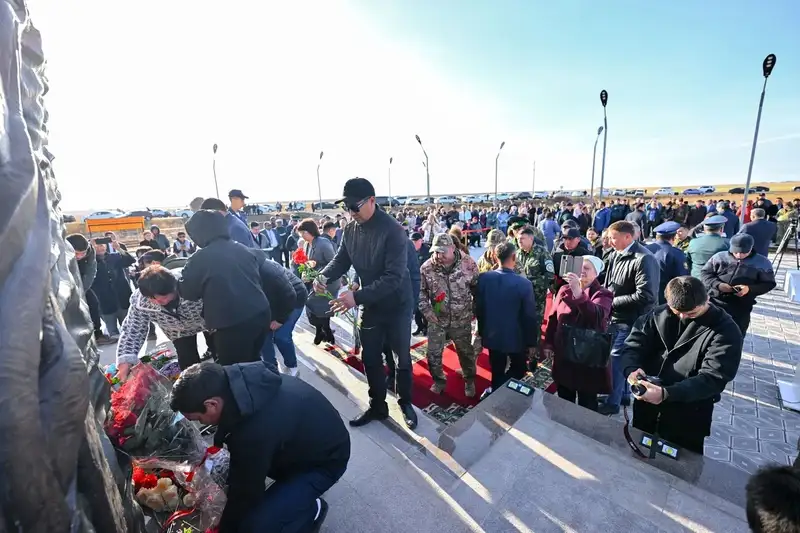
x=103, y=240
x=570, y=264
x=737, y=290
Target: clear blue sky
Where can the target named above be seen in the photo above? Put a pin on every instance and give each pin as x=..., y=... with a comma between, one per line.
x=137, y=99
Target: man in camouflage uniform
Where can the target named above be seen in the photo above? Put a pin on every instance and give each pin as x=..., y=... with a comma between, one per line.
x=535, y=263
x=488, y=261
x=448, y=280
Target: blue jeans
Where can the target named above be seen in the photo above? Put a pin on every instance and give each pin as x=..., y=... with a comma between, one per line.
x=282, y=338
x=289, y=506
x=620, y=388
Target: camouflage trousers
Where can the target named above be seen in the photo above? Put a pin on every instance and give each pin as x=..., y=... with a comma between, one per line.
x=461, y=335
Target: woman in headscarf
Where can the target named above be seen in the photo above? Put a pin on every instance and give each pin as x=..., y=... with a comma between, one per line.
x=320, y=252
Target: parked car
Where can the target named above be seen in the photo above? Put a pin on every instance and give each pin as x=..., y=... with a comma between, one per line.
x=383, y=201
x=796, y=189
x=103, y=214
x=67, y=218
x=503, y=196
x=323, y=205
x=185, y=214
x=756, y=188
x=578, y=194
x=541, y=195
x=146, y=213
x=691, y=192
x=618, y=192
x=445, y=200
x=707, y=189
x=161, y=213
x=524, y=195
x=664, y=191
x=401, y=199
x=418, y=201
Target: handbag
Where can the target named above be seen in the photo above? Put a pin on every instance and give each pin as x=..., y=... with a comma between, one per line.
x=586, y=347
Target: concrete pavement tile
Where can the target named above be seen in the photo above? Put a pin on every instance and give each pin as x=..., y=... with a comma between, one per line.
x=688, y=512
x=720, y=453
x=770, y=434
x=750, y=462
x=745, y=444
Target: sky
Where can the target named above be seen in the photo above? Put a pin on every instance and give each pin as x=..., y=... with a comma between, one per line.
x=141, y=91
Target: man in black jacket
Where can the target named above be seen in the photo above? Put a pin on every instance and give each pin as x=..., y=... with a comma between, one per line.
x=694, y=348
x=633, y=277
x=87, y=265
x=761, y=229
x=277, y=429
x=236, y=294
x=423, y=250
x=377, y=247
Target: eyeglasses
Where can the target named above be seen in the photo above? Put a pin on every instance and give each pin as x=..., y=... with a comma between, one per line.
x=355, y=208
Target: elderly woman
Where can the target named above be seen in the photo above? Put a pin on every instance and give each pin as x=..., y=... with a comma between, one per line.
x=320, y=252
x=581, y=303
x=430, y=228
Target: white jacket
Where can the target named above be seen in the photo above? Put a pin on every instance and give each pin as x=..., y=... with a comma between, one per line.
x=186, y=321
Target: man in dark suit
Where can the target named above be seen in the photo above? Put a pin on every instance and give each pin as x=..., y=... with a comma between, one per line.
x=507, y=321
x=761, y=229
x=282, y=232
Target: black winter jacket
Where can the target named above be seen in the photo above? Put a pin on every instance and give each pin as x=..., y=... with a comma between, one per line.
x=278, y=427
x=755, y=271
x=111, y=285
x=633, y=277
x=378, y=251
x=224, y=274
x=277, y=281
x=695, y=366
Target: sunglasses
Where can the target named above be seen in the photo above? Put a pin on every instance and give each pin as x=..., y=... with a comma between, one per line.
x=355, y=208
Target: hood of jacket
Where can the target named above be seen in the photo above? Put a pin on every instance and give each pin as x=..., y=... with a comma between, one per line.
x=252, y=386
x=206, y=226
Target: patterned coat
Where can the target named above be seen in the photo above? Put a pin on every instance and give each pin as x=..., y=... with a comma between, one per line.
x=537, y=267
x=187, y=320
x=455, y=284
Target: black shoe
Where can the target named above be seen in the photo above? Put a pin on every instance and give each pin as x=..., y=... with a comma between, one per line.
x=606, y=409
x=409, y=415
x=368, y=416
x=328, y=335
x=418, y=332
x=323, y=512
x=319, y=336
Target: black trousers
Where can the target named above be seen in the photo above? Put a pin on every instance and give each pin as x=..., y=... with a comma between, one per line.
x=420, y=320
x=187, y=351
x=276, y=255
x=474, y=239
x=379, y=329
x=739, y=313
x=94, y=311
x=287, y=256
x=241, y=343
x=585, y=399
x=498, y=362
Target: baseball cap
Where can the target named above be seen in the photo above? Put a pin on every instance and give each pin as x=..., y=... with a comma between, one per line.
x=742, y=243
x=237, y=193
x=494, y=238
x=569, y=223
x=441, y=241
x=355, y=190
x=571, y=233
x=416, y=236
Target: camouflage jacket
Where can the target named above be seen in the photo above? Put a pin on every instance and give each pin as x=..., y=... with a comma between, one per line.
x=537, y=266
x=487, y=263
x=455, y=284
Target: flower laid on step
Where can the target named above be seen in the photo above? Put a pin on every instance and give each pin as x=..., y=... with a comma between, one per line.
x=438, y=302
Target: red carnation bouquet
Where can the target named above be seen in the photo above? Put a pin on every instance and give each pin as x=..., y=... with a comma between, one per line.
x=438, y=301
x=305, y=266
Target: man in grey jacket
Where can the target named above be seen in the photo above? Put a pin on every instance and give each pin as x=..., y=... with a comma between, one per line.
x=633, y=277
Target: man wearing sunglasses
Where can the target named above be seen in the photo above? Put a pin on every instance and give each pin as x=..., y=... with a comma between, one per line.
x=376, y=245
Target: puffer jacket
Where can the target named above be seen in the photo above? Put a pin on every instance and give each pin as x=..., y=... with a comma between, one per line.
x=456, y=282
x=185, y=321
x=633, y=277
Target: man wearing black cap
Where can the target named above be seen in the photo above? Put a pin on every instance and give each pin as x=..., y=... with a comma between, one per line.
x=671, y=260
x=237, y=198
x=735, y=277
x=423, y=250
x=703, y=247
x=377, y=247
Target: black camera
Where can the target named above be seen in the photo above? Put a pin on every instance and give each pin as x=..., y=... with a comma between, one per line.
x=638, y=389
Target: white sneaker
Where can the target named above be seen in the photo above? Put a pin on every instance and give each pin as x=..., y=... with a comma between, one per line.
x=293, y=371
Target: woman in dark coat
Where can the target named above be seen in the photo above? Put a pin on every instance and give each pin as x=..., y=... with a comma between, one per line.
x=582, y=303
x=320, y=252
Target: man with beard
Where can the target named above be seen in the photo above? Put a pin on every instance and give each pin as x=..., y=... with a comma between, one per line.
x=694, y=348
x=736, y=277
x=376, y=246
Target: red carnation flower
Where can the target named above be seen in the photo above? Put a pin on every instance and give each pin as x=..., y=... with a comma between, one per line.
x=299, y=257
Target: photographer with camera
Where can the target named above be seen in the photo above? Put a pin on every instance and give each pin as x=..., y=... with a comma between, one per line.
x=679, y=357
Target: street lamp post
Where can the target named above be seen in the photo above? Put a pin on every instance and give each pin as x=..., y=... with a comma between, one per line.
x=766, y=67
x=533, y=182
x=214, y=168
x=604, y=101
x=594, y=159
x=390, y=182
x=427, y=168
x=319, y=183
x=496, y=161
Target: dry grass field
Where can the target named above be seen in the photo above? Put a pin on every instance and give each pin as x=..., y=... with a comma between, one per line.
x=782, y=189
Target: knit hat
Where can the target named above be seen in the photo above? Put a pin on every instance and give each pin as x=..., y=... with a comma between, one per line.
x=596, y=262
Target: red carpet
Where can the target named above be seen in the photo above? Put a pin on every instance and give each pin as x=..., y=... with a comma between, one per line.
x=454, y=393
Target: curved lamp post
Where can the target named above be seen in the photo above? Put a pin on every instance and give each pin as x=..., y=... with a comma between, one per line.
x=496, y=160
x=214, y=168
x=427, y=168
x=319, y=184
x=604, y=101
x=766, y=69
x=594, y=160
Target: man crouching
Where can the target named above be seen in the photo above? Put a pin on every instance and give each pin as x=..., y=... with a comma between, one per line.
x=277, y=428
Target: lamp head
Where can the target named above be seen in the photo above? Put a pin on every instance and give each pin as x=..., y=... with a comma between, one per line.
x=390, y=160
x=320, y=155
x=769, y=64
x=604, y=97
x=418, y=139
x=599, y=130
x=215, y=148
x=502, y=144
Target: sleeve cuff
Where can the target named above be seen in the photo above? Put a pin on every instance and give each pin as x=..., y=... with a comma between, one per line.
x=127, y=359
x=357, y=297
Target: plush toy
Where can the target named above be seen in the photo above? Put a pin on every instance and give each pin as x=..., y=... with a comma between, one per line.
x=189, y=500
x=163, y=495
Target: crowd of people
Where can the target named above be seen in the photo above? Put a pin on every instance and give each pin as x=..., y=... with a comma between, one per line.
x=661, y=323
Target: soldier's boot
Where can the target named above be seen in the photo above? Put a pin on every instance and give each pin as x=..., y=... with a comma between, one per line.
x=469, y=389
x=438, y=387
